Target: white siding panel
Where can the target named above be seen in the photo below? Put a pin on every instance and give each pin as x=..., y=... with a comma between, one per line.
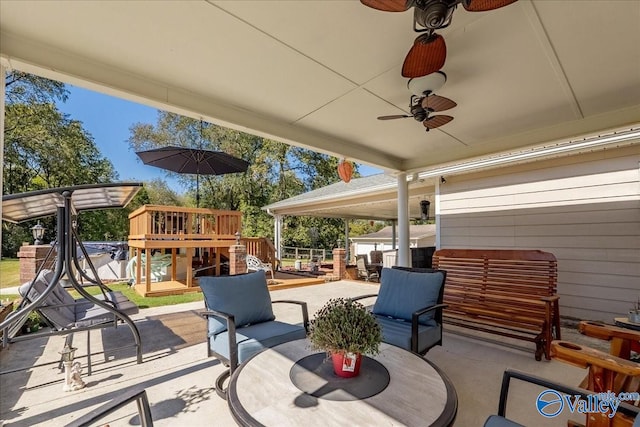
x=619, y=242
x=606, y=282
x=631, y=256
x=606, y=229
x=601, y=267
x=577, y=214
x=584, y=209
x=600, y=292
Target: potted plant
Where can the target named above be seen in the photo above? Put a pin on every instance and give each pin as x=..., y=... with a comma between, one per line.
x=634, y=313
x=346, y=330
x=32, y=324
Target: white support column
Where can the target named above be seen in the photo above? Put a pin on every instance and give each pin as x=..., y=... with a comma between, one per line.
x=347, y=249
x=403, y=258
x=3, y=72
x=277, y=235
x=394, y=229
x=437, y=201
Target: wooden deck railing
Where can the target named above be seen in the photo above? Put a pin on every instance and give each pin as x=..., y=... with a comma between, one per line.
x=261, y=247
x=155, y=222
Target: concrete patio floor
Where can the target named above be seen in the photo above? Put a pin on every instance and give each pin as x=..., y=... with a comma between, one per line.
x=179, y=379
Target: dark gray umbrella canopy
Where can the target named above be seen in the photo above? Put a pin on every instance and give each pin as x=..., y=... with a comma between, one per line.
x=194, y=161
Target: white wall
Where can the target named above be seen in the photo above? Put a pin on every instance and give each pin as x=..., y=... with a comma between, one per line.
x=584, y=209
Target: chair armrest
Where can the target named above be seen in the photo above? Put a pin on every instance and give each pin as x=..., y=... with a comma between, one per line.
x=414, y=323
x=227, y=316
x=363, y=297
x=139, y=396
x=584, y=357
x=231, y=332
x=624, y=407
x=422, y=311
x=303, y=306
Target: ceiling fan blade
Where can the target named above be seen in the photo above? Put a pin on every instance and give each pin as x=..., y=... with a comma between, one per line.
x=436, y=121
x=426, y=56
x=395, y=116
x=388, y=5
x=437, y=103
x=484, y=5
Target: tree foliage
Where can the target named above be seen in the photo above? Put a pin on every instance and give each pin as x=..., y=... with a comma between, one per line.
x=45, y=148
x=277, y=171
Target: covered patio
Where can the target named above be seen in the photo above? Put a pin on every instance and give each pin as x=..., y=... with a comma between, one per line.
x=548, y=101
x=179, y=378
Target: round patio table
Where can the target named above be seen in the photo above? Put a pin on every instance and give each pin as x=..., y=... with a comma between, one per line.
x=287, y=385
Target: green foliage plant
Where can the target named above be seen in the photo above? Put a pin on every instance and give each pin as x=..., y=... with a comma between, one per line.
x=343, y=325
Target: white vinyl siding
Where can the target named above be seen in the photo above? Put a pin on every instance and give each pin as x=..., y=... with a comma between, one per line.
x=584, y=209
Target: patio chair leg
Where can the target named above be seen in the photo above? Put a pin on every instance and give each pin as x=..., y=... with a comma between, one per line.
x=221, y=390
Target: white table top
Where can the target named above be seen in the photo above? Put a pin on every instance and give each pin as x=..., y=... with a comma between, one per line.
x=418, y=394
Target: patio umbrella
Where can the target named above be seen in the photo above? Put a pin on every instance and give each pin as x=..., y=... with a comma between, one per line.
x=194, y=161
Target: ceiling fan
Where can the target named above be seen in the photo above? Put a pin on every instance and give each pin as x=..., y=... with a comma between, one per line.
x=429, y=50
x=421, y=108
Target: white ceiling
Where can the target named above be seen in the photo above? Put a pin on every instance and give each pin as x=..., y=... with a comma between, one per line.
x=318, y=73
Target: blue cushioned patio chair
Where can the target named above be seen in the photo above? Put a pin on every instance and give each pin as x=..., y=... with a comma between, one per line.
x=629, y=412
x=409, y=306
x=240, y=320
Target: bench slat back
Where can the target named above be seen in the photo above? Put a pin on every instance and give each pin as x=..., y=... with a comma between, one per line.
x=505, y=279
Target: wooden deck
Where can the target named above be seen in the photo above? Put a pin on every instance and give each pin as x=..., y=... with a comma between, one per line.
x=175, y=287
x=200, y=237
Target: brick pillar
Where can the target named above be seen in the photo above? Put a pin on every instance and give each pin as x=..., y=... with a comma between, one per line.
x=237, y=259
x=31, y=256
x=339, y=263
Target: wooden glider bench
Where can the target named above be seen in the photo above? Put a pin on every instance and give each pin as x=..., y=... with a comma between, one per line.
x=506, y=292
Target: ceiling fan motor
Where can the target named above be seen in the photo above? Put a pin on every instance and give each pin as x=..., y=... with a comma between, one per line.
x=433, y=14
x=417, y=111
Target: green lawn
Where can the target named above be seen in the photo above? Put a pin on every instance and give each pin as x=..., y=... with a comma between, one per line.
x=9, y=272
x=10, y=276
x=147, y=302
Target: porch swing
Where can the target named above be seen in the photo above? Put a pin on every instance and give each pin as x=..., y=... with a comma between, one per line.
x=45, y=293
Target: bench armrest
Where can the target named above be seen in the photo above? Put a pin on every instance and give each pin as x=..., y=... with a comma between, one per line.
x=550, y=298
x=303, y=306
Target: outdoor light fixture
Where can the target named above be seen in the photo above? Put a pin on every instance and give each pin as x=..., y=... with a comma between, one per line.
x=424, y=210
x=428, y=84
x=38, y=233
x=72, y=371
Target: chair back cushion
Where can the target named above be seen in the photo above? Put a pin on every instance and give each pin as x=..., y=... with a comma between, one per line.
x=246, y=296
x=60, y=317
x=404, y=292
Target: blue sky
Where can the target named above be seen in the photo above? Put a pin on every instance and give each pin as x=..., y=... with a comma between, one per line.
x=108, y=120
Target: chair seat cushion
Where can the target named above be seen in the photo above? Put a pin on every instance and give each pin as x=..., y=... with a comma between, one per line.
x=398, y=332
x=254, y=338
x=246, y=296
x=404, y=292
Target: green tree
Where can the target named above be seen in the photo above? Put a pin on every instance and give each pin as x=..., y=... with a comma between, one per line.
x=277, y=171
x=45, y=148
